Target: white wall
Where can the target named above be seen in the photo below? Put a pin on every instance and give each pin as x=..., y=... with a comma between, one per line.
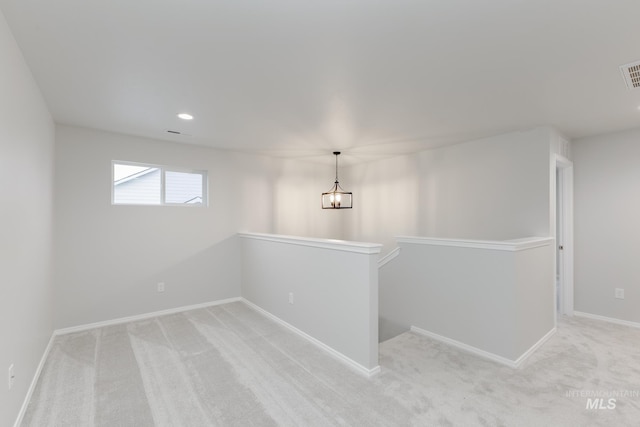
x=109, y=258
x=607, y=225
x=334, y=288
x=26, y=174
x=494, y=188
x=387, y=200
x=495, y=297
x=297, y=208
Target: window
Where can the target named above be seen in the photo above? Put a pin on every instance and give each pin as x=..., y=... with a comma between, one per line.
x=141, y=184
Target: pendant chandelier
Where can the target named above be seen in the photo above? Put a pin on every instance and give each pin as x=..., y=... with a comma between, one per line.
x=337, y=198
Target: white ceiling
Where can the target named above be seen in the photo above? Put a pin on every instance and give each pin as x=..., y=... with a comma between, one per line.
x=302, y=78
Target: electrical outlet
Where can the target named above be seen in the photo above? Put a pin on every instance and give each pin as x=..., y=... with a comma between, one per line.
x=619, y=293
x=290, y=297
x=11, y=376
x=160, y=286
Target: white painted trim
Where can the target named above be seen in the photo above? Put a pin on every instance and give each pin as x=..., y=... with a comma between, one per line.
x=520, y=360
x=144, y=316
x=336, y=245
x=465, y=347
x=347, y=360
x=564, y=167
x=562, y=161
x=34, y=382
x=482, y=353
x=388, y=257
x=498, y=245
x=607, y=319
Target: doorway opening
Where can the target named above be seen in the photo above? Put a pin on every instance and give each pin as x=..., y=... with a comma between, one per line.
x=564, y=236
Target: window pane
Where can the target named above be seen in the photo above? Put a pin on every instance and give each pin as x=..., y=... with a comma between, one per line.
x=183, y=188
x=136, y=185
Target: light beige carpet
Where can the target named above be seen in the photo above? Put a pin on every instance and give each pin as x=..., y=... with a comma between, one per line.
x=230, y=366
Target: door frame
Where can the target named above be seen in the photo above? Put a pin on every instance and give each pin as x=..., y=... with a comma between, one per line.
x=563, y=231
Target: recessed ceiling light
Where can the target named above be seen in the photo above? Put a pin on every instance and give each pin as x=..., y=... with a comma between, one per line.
x=185, y=116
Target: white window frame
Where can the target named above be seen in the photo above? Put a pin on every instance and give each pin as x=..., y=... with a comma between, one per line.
x=163, y=170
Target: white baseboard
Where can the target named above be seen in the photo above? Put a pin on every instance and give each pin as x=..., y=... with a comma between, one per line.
x=534, y=347
x=482, y=353
x=357, y=366
x=34, y=382
x=144, y=316
x=607, y=319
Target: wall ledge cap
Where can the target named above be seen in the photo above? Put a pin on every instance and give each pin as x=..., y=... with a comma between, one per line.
x=513, y=245
x=336, y=245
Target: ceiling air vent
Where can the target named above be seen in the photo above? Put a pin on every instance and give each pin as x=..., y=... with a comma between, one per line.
x=631, y=74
